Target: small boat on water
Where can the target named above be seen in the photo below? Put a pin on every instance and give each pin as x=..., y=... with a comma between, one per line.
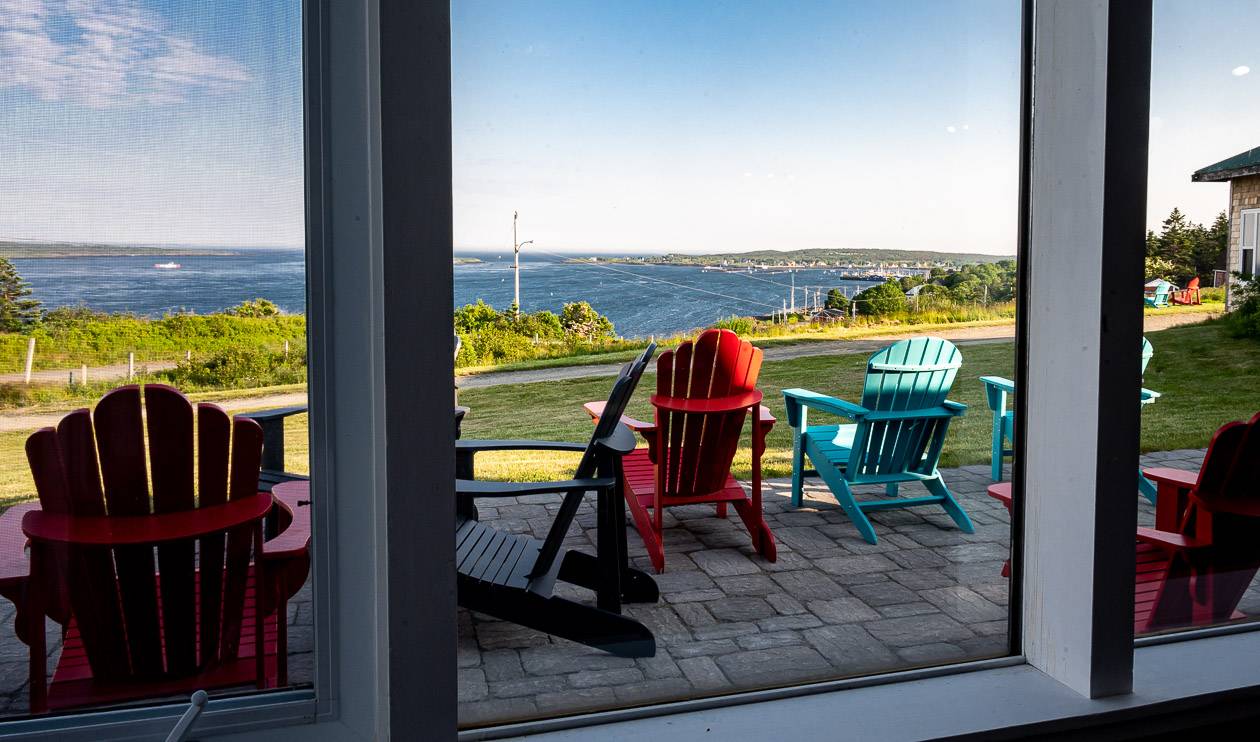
x=166, y=266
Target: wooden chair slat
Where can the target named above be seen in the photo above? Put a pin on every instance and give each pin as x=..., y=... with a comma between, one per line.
x=703, y=376
x=82, y=472
x=170, y=422
x=214, y=434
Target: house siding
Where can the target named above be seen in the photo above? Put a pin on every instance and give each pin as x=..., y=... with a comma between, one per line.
x=1244, y=193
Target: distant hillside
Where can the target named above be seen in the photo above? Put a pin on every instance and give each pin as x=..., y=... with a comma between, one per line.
x=33, y=249
x=829, y=257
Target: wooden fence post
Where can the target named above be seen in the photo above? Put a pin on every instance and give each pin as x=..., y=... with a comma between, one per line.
x=30, y=358
x=131, y=365
x=83, y=372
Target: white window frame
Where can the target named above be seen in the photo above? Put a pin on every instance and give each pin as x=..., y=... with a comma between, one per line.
x=1243, y=247
x=378, y=74
x=366, y=134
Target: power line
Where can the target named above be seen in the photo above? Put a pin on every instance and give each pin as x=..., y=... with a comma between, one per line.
x=669, y=283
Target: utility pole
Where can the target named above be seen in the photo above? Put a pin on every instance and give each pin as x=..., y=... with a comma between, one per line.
x=516, y=265
x=793, y=275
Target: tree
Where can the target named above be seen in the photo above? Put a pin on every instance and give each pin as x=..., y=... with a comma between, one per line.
x=17, y=310
x=1186, y=248
x=882, y=300
x=837, y=300
x=580, y=320
x=475, y=317
x=255, y=308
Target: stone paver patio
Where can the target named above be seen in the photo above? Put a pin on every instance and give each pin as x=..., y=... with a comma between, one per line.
x=831, y=606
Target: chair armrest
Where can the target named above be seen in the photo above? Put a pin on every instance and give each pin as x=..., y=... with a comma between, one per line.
x=279, y=413
x=822, y=402
x=104, y=530
x=728, y=403
x=1174, y=541
x=15, y=562
x=1178, y=477
x=1149, y=396
x=596, y=410
x=476, y=488
x=999, y=382
x=295, y=539
x=463, y=446
x=763, y=414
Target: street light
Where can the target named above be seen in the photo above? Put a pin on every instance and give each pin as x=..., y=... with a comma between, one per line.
x=516, y=260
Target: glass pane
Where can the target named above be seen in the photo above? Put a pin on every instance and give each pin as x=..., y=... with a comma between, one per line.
x=1249, y=228
x=664, y=170
x=1200, y=375
x=152, y=234
x=1248, y=262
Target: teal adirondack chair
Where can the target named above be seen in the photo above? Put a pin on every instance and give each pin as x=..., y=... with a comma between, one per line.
x=1158, y=298
x=998, y=390
x=896, y=437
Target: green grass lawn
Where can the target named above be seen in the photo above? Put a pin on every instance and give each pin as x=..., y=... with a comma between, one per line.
x=1206, y=378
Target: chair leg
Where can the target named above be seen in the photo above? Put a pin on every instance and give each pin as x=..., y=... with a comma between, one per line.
x=619, y=635
x=798, y=467
x=840, y=490
x=755, y=522
x=721, y=509
x=996, y=454
x=955, y=511
x=583, y=570
x=890, y=489
x=1147, y=487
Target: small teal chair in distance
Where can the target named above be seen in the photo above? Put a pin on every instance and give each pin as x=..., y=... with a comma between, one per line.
x=897, y=433
x=998, y=391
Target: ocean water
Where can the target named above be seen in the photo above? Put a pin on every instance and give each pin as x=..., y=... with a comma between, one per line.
x=640, y=300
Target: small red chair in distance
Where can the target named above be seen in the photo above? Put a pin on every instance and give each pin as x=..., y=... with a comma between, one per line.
x=1195, y=564
x=158, y=591
x=704, y=390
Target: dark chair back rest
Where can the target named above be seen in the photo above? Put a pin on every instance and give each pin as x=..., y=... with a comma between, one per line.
x=699, y=447
x=94, y=465
x=623, y=389
x=1225, y=511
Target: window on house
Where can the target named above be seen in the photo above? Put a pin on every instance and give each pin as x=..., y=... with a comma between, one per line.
x=1247, y=242
x=629, y=175
x=151, y=251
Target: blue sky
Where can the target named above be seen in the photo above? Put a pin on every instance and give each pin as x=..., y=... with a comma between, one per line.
x=611, y=126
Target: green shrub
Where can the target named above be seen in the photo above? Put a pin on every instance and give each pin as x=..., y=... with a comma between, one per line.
x=254, y=308
x=581, y=322
x=1244, y=321
x=882, y=300
x=743, y=326
x=238, y=368
x=1213, y=294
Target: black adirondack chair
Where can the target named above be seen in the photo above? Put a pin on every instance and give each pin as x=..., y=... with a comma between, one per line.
x=512, y=576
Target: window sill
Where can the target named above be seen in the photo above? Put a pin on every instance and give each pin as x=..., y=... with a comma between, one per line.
x=250, y=713
x=1179, y=678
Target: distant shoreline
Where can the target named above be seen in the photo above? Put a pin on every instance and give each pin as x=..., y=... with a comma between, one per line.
x=21, y=250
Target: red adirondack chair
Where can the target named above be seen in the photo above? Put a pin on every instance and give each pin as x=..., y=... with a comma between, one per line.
x=704, y=390
x=209, y=611
x=1195, y=564
x=1188, y=295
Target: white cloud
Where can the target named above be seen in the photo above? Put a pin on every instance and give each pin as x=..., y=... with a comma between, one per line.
x=105, y=54
x=1240, y=70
